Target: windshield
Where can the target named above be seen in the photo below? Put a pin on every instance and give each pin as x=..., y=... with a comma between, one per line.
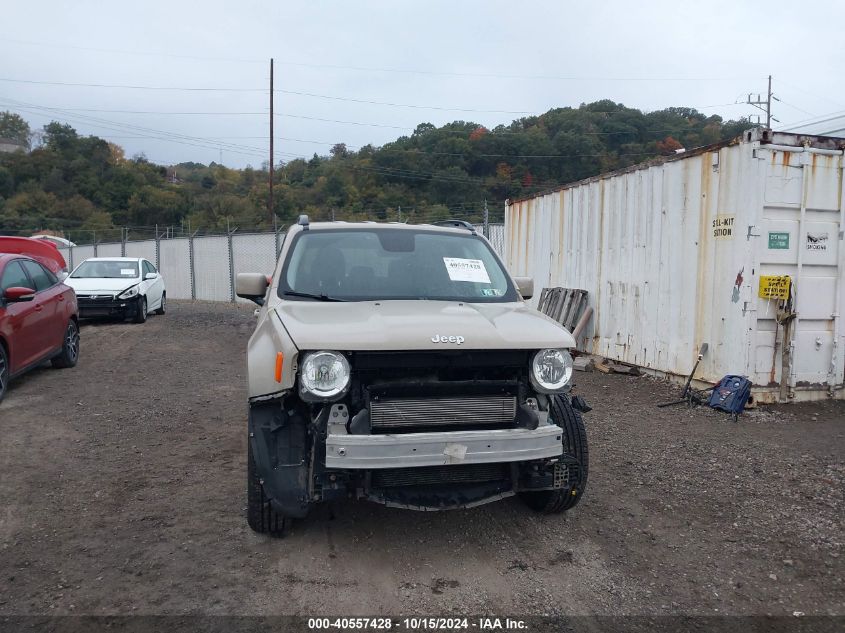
x=106, y=269
x=386, y=263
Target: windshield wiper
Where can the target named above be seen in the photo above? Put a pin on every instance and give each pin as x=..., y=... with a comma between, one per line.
x=309, y=295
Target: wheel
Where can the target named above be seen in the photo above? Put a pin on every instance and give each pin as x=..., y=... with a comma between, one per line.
x=141, y=315
x=260, y=514
x=575, y=445
x=4, y=371
x=70, y=347
x=160, y=310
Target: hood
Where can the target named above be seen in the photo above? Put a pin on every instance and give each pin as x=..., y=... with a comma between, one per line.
x=101, y=286
x=45, y=252
x=418, y=325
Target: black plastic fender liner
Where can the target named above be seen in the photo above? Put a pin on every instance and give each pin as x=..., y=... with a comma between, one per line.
x=579, y=404
x=280, y=448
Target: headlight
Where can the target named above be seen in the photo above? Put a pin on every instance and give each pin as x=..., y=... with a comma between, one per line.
x=128, y=294
x=551, y=370
x=324, y=375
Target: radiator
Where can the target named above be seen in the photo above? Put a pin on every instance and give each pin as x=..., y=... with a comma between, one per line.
x=464, y=411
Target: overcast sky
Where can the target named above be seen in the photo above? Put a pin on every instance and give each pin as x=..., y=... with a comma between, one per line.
x=483, y=61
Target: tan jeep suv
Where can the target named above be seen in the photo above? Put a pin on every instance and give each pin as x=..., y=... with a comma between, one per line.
x=399, y=364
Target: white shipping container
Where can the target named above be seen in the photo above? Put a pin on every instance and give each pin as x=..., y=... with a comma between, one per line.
x=672, y=253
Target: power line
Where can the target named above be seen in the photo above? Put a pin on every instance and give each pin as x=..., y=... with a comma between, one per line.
x=207, y=113
x=124, y=126
x=289, y=92
x=413, y=71
x=141, y=53
x=131, y=87
x=203, y=142
x=313, y=118
x=165, y=137
x=399, y=105
x=811, y=94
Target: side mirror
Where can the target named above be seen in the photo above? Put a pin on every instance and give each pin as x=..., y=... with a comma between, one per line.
x=150, y=276
x=525, y=286
x=252, y=286
x=17, y=294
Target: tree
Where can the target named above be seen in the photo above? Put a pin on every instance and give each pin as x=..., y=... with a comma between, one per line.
x=339, y=150
x=7, y=183
x=150, y=206
x=60, y=137
x=72, y=180
x=13, y=126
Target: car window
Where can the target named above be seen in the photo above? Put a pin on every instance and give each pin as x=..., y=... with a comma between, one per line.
x=40, y=276
x=106, y=269
x=148, y=268
x=153, y=269
x=14, y=277
x=387, y=263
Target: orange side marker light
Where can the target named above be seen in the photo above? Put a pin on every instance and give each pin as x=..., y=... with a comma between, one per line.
x=279, y=360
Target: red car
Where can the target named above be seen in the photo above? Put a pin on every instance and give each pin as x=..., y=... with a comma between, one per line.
x=38, y=316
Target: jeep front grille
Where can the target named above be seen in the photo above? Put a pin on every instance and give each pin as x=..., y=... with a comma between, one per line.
x=420, y=413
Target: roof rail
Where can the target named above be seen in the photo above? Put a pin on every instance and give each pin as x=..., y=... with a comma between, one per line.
x=303, y=222
x=456, y=224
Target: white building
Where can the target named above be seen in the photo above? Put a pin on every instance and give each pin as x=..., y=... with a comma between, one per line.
x=829, y=125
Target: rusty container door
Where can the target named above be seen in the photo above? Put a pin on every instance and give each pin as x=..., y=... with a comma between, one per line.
x=799, y=347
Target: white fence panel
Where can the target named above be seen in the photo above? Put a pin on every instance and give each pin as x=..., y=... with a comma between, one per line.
x=66, y=254
x=255, y=253
x=80, y=253
x=211, y=269
x=109, y=250
x=175, y=268
x=145, y=249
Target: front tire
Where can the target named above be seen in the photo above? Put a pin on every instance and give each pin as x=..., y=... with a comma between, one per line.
x=141, y=315
x=574, y=445
x=160, y=310
x=69, y=355
x=260, y=515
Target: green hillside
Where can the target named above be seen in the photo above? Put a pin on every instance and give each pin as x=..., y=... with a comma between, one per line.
x=84, y=186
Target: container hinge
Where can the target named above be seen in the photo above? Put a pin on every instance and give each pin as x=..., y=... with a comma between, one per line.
x=751, y=232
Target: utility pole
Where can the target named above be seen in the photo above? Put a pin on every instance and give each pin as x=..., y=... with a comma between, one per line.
x=270, y=203
x=769, y=104
x=765, y=105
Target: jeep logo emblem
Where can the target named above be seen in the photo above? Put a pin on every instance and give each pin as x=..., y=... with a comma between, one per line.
x=447, y=339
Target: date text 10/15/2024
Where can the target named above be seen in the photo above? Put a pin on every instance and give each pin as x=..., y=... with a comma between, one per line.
x=482, y=623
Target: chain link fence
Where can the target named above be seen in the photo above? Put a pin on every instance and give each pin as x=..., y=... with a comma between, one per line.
x=495, y=234
x=205, y=267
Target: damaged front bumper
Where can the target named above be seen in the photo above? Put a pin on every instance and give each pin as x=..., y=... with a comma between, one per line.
x=102, y=306
x=440, y=448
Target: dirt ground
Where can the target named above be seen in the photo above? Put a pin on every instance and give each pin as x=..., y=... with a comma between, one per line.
x=122, y=491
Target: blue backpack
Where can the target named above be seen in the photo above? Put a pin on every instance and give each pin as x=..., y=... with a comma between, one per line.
x=731, y=394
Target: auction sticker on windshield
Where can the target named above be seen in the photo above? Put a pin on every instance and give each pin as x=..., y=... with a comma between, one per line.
x=466, y=270
x=127, y=272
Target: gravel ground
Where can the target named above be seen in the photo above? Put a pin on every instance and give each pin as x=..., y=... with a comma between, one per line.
x=122, y=491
